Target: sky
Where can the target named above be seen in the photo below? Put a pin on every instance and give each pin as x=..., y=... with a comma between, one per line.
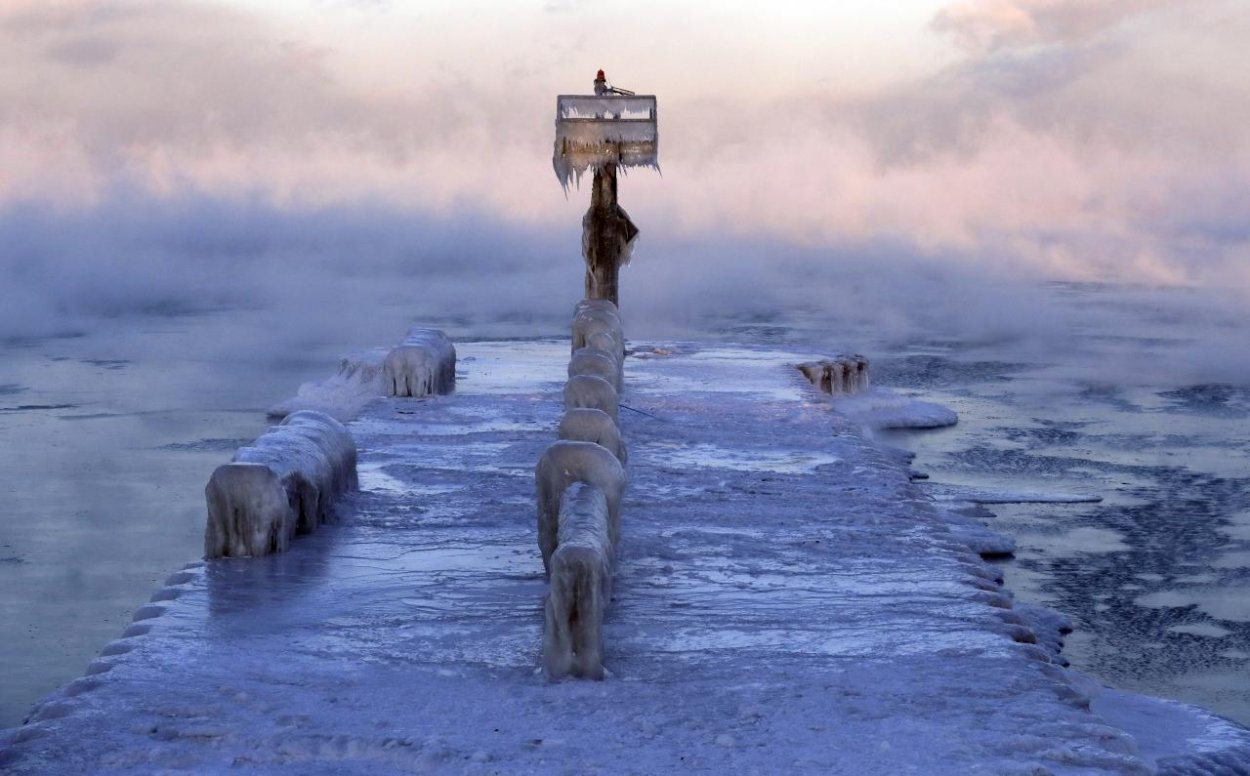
x=145, y=145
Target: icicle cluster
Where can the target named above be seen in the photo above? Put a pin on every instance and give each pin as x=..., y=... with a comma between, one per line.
x=838, y=376
x=285, y=483
x=593, y=131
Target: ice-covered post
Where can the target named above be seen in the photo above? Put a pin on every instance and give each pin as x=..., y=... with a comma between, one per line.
x=603, y=132
x=607, y=235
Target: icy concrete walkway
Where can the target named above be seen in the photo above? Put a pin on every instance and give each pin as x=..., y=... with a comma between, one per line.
x=787, y=602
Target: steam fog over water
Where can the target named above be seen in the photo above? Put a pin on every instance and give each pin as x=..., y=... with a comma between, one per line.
x=136, y=359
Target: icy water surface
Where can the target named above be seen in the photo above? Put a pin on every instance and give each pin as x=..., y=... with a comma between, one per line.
x=1157, y=575
x=107, y=439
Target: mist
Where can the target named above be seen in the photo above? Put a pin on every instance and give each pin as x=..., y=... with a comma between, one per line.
x=356, y=277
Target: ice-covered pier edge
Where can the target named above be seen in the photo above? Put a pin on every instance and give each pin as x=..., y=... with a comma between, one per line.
x=787, y=601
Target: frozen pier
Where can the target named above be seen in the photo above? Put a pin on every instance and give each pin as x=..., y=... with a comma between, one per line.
x=786, y=601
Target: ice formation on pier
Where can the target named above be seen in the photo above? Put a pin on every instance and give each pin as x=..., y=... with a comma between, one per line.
x=593, y=392
x=838, y=376
x=359, y=380
x=586, y=424
x=768, y=618
x=580, y=585
x=423, y=364
x=564, y=463
x=286, y=482
x=593, y=131
x=882, y=408
x=589, y=322
x=597, y=362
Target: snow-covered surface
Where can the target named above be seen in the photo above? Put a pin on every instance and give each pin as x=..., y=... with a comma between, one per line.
x=780, y=619
x=882, y=408
x=359, y=380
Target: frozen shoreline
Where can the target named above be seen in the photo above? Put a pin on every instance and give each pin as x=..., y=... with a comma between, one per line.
x=787, y=600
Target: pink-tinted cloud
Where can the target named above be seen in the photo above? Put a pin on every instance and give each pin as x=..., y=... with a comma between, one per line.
x=1073, y=139
x=989, y=25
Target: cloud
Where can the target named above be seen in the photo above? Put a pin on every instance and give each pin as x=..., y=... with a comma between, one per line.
x=986, y=26
x=1074, y=140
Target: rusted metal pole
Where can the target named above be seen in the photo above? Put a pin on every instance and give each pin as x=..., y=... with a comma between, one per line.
x=607, y=234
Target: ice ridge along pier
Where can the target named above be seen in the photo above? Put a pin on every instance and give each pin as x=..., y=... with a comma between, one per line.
x=786, y=601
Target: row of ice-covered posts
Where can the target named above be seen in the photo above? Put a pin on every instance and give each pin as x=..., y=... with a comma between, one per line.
x=289, y=480
x=580, y=482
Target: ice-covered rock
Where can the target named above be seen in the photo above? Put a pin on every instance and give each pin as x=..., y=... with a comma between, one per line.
x=286, y=482
x=600, y=363
x=423, y=364
x=564, y=463
x=580, y=585
x=593, y=392
x=586, y=424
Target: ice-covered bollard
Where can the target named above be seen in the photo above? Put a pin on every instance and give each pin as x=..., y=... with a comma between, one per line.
x=286, y=482
x=605, y=342
x=585, y=424
x=593, y=392
x=423, y=364
x=838, y=376
x=333, y=441
x=595, y=304
x=589, y=321
x=581, y=585
x=567, y=462
x=600, y=363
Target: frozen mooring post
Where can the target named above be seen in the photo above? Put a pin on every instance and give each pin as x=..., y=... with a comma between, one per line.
x=610, y=129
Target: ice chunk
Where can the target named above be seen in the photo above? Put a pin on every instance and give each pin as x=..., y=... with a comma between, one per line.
x=943, y=491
